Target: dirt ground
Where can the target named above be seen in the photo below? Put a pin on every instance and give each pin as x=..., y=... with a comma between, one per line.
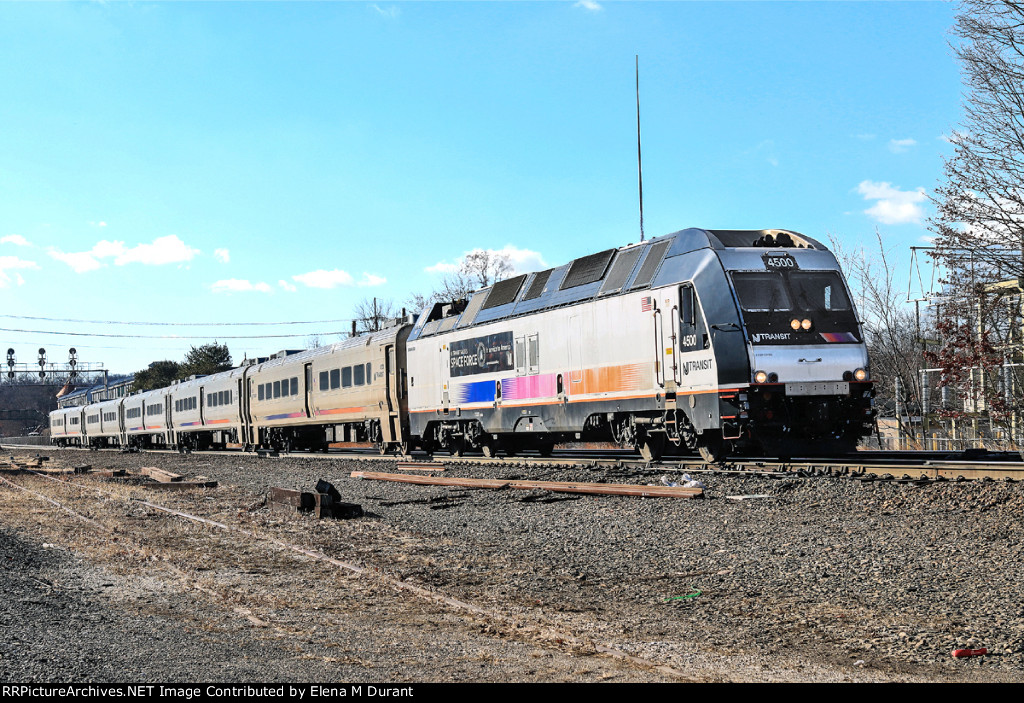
x=443, y=585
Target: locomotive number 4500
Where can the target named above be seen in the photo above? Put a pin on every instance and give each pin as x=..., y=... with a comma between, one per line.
x=780, y=262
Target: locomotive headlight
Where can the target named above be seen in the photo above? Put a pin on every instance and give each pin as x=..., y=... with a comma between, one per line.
x=760, y=377
x=806, y=324
x=861, y=374
x=795, y=324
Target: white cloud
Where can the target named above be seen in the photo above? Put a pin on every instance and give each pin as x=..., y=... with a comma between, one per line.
x=162, y=250
x=222, y=255
x=588, y=5
x=98, y=224
x=15, y=239
x=325, y=279
x=236, y=285
x=287, y=286
x=901, y=146
x=865, y=137
x=80, y=262
x=370, y=279
x=443, y=267
x=13, y=263
x=390, y=12
x=522, y=260
x=894, y=206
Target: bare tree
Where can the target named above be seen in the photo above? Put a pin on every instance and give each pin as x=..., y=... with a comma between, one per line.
x=979, y=220
x=373, y=314
x=891, y=327
x=477, y=269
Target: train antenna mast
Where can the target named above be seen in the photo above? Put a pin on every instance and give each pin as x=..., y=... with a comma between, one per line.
x=639, y=162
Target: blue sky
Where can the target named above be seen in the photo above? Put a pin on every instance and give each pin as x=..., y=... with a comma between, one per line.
x=207, y=163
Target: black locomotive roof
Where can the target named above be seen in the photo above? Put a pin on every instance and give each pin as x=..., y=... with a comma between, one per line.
x=610, y=272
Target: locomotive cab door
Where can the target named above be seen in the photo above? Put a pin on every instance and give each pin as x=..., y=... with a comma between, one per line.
x=691, y=341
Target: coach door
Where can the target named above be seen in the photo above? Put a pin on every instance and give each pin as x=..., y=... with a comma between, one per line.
x=393, y=432
x=308, y=375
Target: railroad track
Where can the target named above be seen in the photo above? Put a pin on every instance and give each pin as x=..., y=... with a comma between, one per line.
x=868, y=465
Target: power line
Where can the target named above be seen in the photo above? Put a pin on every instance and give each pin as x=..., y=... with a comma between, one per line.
x=177, y=324
x=172, y=337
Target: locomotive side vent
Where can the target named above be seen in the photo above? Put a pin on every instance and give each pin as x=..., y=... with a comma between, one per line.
x=537, y=286
x=504, y=292
x=587, y=269
x=475, y=303
x=652, y=262
x=620, y=270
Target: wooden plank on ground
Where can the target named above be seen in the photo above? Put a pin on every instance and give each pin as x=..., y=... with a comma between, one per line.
x=619, y=489
x=160, y=475
x=351, y=445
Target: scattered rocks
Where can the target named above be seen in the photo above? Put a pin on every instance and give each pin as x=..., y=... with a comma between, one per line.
x=829, y=579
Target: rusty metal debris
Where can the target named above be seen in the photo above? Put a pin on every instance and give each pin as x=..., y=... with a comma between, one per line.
x=325, y=501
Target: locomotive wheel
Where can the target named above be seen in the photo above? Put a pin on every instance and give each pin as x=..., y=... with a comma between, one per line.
x=457, y=448
x=489, y=450
x=383, y=447
x=511, y=447
x=652, y=447
x=711, y=448
x=545, y=448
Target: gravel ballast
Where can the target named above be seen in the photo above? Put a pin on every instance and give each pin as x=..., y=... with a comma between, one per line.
x=805, y=579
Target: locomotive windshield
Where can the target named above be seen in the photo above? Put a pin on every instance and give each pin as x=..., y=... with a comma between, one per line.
x=794, y=291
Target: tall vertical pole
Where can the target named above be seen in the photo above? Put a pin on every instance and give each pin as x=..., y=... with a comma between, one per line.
x=639, y=162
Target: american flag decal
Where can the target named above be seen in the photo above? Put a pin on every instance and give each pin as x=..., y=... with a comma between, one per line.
x=646, y=304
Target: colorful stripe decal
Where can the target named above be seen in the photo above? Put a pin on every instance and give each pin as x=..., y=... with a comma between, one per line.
x=839, y=336
x=189, y=424
x=477, y=392
x=217, y=422
x=340, y=411
x=611, y=379
x=524, y=387
x=284, y=416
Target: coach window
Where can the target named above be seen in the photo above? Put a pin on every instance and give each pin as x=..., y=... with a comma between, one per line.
x=346, y=377
x=360, y=375
x=284, y=388
x=335, y=379
x=277, y=389
x=324, y=381
x=295, y=385
x=259, y=389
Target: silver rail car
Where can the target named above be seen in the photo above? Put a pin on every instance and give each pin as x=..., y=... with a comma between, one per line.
x=708, y=340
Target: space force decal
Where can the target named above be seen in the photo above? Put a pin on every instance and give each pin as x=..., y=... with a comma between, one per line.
x=482, y=355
